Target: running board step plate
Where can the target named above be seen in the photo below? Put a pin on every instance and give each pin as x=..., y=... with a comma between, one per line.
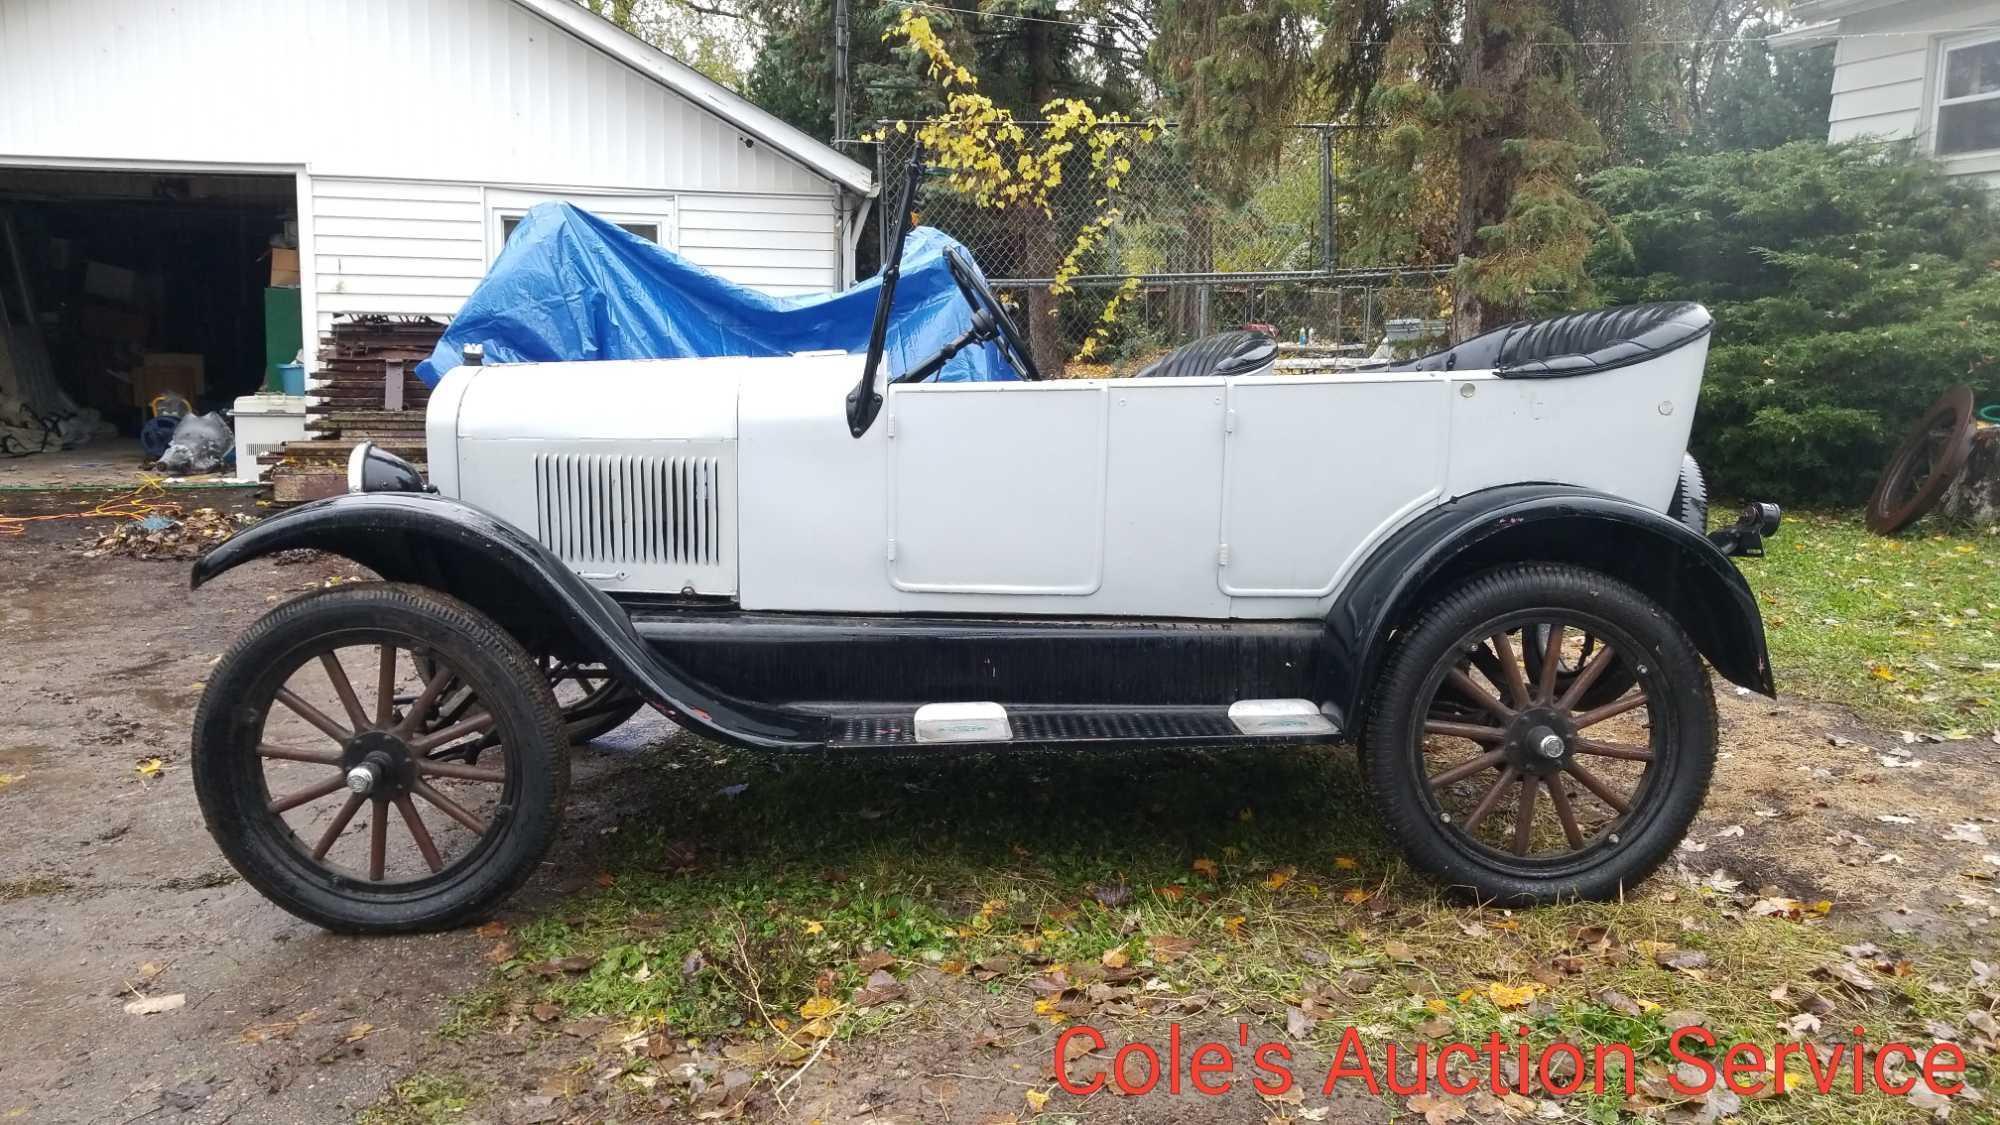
x=1055, y=725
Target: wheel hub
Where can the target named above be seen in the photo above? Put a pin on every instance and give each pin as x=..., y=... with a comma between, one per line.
x=1540, y=740
x=377, y=764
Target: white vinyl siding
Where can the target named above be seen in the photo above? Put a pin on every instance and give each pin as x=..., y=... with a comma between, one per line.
x=404, y=121
x=387, y=246
x=447, y=90
x=1887, y=74
x=779, y=245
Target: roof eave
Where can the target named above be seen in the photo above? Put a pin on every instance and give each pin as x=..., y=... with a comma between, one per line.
x=705, y=92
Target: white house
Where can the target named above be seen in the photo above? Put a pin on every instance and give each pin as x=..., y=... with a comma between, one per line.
x=149, y=151
x=1923, y=69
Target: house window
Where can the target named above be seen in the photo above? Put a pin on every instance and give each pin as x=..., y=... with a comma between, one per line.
x=1969, y=98
x=651, y=217
x=648, y=231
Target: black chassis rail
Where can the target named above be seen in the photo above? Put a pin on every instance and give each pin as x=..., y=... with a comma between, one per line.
x=791, y=681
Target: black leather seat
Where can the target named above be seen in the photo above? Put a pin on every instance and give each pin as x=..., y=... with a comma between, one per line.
x=1575, y=343
x=1226, y=353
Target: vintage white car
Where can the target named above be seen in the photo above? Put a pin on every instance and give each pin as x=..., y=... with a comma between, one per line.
x=1486, y=567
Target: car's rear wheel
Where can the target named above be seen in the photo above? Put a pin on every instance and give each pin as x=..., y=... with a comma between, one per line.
x=1513, y=787
x=380, y=758
x=593, y=701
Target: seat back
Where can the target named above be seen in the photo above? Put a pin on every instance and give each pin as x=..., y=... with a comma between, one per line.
x=1239, y=352
x=1574, y=343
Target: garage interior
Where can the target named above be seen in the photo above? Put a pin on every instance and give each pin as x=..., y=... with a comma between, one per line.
x=118, y=288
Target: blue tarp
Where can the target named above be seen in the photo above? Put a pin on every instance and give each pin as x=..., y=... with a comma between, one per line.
x=570, y=285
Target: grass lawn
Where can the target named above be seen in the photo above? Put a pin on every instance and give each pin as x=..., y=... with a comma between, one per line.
x=775, y=904
x=1132, y=888
x=1905, y=630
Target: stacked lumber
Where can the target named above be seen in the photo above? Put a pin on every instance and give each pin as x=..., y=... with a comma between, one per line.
x=353, y=399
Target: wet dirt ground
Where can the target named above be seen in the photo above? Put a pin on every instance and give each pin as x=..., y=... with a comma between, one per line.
x=111, y=891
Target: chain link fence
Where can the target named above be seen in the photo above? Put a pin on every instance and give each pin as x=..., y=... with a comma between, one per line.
x=1204, y=264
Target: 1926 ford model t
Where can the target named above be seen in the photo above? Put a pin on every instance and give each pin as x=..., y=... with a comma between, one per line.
x=1486, y=567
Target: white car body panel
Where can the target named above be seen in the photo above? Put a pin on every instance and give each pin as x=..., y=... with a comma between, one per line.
x=1219, y=497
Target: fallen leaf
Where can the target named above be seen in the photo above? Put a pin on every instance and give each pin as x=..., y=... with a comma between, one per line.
x=153, y=1005
x=1298, y=1024
x=149, y=768
x=880, y=988
x=1036, y=1099
x=1354, y=896
x=1279, y=878
x=545, y=1012
x=1115, y=958
x=875, y=959
x=1206, y=868
x=1437, y=1108
x=1167, y=949
x=1511, y=996
x=818, y=1006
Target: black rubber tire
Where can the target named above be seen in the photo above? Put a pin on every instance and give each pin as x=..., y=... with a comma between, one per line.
x=1686, y=718
x=230, y=784
x=1689, y=505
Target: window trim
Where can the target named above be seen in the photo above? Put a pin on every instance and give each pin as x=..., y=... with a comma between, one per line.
x=662, y=211
x=1939, y=101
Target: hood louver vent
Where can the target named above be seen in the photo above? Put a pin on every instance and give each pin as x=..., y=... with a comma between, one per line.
x=631, y=510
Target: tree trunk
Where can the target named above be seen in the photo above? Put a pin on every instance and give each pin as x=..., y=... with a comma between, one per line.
x=1496, y=65
x=1974, y=495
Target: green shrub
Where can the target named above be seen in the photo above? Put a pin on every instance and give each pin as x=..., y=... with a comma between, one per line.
x=1850, y=285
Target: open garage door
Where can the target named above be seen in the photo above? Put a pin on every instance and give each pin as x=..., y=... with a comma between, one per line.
x=123, y=286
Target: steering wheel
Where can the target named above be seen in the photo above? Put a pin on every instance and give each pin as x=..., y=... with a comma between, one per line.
x=1013, y=345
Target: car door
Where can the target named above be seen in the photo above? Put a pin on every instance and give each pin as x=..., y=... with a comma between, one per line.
x=1318, y=468
x=997, y=488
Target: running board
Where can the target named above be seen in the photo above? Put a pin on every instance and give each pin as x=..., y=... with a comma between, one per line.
x=988, y=724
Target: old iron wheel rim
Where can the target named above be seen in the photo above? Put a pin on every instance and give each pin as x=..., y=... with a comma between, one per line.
x=1924, y=464
x=423, y=795
x=1459, y=707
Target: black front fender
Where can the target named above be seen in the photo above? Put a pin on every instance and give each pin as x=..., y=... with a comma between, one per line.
x=1663, y=558
x=482, y=560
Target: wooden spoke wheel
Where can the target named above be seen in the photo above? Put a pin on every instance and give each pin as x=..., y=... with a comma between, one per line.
x=593, y=702
x=380, y=758
x=1923, y=466
x=1498, y=762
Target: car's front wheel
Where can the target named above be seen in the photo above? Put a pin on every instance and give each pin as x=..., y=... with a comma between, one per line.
x=380, y=758
x=1513, y=783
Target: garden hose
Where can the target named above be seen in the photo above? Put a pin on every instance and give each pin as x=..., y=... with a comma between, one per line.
x=1990, y=414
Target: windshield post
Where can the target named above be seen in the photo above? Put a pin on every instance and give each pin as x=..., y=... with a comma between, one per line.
x=864, y=401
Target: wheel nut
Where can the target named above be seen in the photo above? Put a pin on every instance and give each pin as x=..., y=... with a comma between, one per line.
x=361, y=779
x=1551, y=746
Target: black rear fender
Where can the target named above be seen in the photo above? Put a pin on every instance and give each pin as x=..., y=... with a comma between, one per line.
x=509, y=576
x=1664, y=559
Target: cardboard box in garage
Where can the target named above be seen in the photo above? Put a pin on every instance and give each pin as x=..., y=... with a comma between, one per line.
x=180, y=372
x=284, y=267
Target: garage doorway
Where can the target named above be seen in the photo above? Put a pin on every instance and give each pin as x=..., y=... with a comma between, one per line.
x=122, y=286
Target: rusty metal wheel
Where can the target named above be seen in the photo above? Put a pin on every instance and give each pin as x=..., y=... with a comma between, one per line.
x=1508, y=779
x=1924, y=465
x=380, y=758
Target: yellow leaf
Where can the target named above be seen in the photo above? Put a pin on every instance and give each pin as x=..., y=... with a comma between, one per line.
x=1279, y=878
x=1466, y=996
x=1235, y=925
x=1438, y=1005
x=1882, y=672
x=1047, y=1009
x=1354, y=896
x=902, y=126
x=1115, y=957
x=1206, y=867
x=815, y=928
x=1511, y=996
x=1345, y=862
x=149, y=768
x=819, y=1006
x=1036, y=1099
